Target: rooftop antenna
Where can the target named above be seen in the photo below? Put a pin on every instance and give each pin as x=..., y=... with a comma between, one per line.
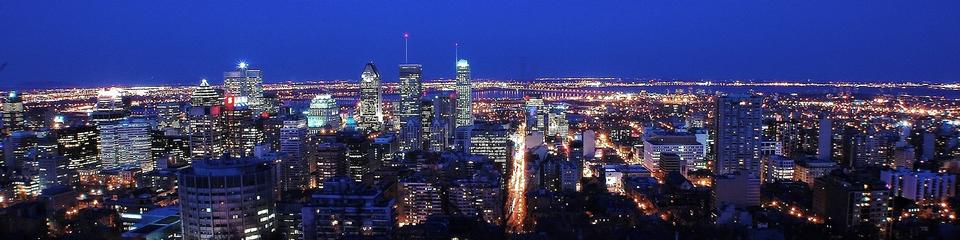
x=406, y=38
x=456, y=51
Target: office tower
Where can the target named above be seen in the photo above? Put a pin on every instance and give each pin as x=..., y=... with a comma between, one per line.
x=110, y=107
x=464, y=94
x=418, y=197
x=205, y=95
x=239, y=128
x=589, y=144
x=370, y=117
x=740, y=189
x=492, y=141
x=206, y=126
x=824, y=139
x=52, y=169
x=168, y=116
x=15, y=148
x=227, y=199
x=739, y=119
x=324, y=113
x=410, y=133
x=778, y=168
x=558, y=125
x=125, y=145
x=79, y=145
x=845, y=202
x=344, y=209
x=247, y=85
x=170, y=148
x=411, y=90
x=359, y=163
x=535, y=112
x=13, y=117
x=331, y=160
x=928, y=146
x=438, y=118
x=385, y=153
x=293, y=169
x=692, y=153
x=920, y=185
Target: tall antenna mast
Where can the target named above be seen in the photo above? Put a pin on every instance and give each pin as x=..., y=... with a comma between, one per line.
x=406, y=38
x=456, y=52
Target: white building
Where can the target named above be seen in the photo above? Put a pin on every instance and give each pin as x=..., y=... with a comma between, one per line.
x=919, y=185
x=691, y=151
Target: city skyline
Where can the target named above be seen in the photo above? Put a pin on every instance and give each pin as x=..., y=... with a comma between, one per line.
x=881, y=41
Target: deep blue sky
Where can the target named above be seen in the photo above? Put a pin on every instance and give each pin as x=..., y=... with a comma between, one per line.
x=93, y=42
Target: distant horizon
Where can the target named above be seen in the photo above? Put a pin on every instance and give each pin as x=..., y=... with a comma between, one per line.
x=108, y=42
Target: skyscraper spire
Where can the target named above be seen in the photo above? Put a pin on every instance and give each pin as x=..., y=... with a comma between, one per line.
x=406, y=38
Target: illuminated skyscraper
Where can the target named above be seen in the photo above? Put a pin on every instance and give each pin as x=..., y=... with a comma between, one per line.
x=294, y=174
x=323, y=113
x=464, y=94
x=370, y=117
x=110, y=107
x=227, y=199
x=411, y=90
x=240, y=132
x=245, y=82
x=125, y=144
x=13, y=117
x=206, y=125
x=739, y=119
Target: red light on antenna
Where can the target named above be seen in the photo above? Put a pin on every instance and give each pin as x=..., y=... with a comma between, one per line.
x=406, y=35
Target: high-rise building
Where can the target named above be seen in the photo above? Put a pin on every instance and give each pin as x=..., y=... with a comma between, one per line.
x=478, y=198
x=845, y=202
x=370, y=117
x=492, y=140
x=239, y=129
x=331, y=160
x=385, y=150
x=358, y=163
x=169, y=115
x=739, y=120
x=110, y=107
x=411, y=90
x=418, y=197
x=740, y=189
x=13, y=113
x=246, y=84
x=80, y=146
x=293, y=169
x=344, y=209
x=227, y=199
x=464, y=94
x=557, y=124
x=125, y=145
x=920, y=185
x=692, y=153
x=206, y=123
x=170, y=147
x=324, y=113
x=809, y=169
x=438, y=118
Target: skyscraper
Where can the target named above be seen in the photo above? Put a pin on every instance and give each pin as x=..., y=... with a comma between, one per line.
x=739, y=119
x=370, y=117
x=344, y=209
x=294, y=173
x=227, y=199
x=246, y=83
x=464, y=94
x=323, y=114
x=206, y=126
x=110, y=107
x=125, y=144
x=239, y=128
x=13, y=117
x=79, y=146
x=411, y=90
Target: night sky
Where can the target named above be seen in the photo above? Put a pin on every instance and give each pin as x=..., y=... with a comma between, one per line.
x=98, y=43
